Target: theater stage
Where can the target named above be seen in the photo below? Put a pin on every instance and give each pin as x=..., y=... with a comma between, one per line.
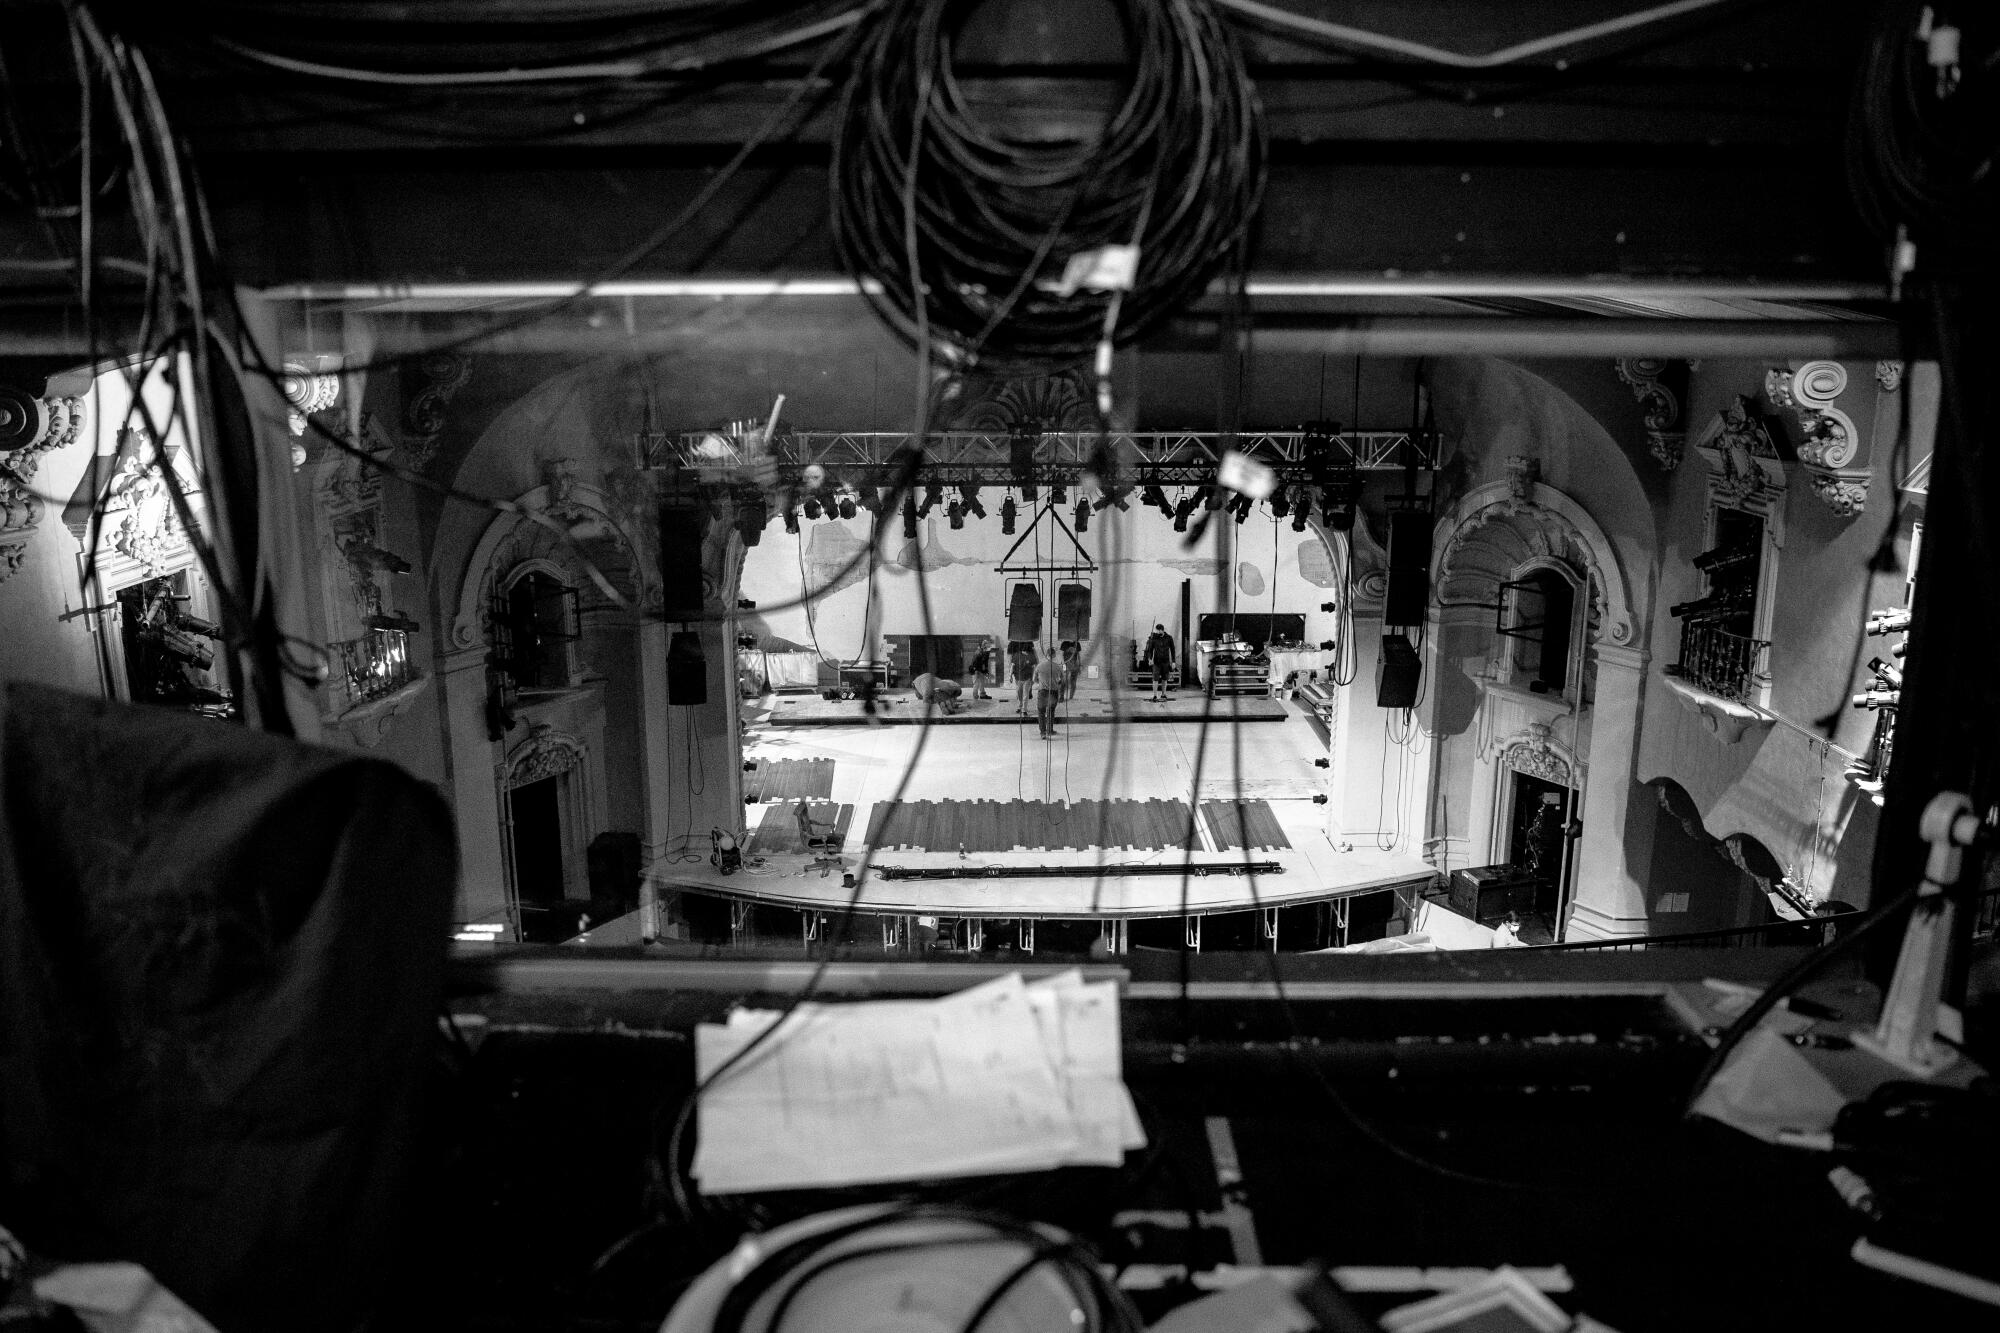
x=1128, y=790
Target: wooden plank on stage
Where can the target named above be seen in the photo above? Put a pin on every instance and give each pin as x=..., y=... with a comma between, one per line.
x=790, y=780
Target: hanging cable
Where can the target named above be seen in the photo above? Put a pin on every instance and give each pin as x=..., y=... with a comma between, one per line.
x=1179, y=165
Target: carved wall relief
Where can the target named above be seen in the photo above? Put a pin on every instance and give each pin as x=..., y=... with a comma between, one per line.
x=1661, y=387
x=1829, y=442
x=20, y=503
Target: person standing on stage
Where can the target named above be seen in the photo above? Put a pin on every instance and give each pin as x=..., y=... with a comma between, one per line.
x=982, y=667
x=1159, y=657
x=1023, y=661
x=1048, y=689
x=1072, y=665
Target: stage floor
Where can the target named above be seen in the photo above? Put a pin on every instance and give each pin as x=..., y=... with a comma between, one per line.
x=1049, y=788
x=1094, y=704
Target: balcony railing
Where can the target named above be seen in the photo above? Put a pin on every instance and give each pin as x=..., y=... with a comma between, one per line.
x=1724, y=664
x=371, y=667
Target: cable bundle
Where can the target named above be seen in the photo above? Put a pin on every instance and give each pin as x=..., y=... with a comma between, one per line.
x=927, y=198
x=1921, y=143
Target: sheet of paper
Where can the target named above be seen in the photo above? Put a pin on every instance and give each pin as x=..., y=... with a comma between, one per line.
x=1002, y=1077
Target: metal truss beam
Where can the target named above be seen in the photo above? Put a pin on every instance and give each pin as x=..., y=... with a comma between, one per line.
x=983, y=458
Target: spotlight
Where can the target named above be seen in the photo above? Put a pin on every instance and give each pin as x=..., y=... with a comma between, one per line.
x=1241, y=506
x=1007, y=512
x=812, y=506
x=1059, y=493
x=847, y=506
x=955, y=514
x=909, y=516
x=1281, y=501
x=1208, y=498
x=933, y=497
x=1153, y=497
x=1109, y=498
x=792, y=521
x=969, y=501
x=1181, y=512
x=1082, y=517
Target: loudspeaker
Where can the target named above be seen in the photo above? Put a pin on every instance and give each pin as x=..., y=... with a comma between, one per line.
x=1396, y=673
x=687, y=669
x=1409, y=567
x=681, y=527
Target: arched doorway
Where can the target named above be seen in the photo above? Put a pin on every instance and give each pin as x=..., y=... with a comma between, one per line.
x=1532, y=616
x=544, y=829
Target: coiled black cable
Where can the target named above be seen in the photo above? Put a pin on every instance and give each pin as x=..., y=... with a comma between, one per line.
x=1178, y=169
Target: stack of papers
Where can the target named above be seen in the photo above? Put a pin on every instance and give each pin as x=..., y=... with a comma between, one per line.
x=1007, y=1076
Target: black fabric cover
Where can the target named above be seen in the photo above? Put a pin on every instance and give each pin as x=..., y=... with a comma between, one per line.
x=221, y=957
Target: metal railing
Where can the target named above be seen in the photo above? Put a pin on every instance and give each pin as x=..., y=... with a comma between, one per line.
x=1724, y=664
x=370, y=667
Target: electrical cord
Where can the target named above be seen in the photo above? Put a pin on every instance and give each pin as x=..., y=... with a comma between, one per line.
x=991, y=212
x=1348, y=37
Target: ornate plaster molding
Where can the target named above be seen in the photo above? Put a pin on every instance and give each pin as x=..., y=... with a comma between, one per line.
x=424, y=414
x=1661, y=387
x=307, y=391
x=544, y=753
x=1828, y=438
x=1889, y=375
x=513, y=536
x=1559, y=517
x=20, y=503
x=1744, y=469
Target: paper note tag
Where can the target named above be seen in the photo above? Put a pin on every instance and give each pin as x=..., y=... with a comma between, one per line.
x=1109, y=268
x=1244, y=474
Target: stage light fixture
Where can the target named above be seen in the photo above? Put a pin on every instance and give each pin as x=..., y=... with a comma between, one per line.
x=1007, y=512
x=1302, y=507
x=792, y=521
x=1208, y=498
x=910, y=516
x=933, y=497
x=956, y=514
x=1241, y=507
x=812, y=507
x=1059, y=493
x=969, y=501
x=1153, y=497
x=1281, y=501
x=1182, y=511
x=1082, y=517
x=847, y=506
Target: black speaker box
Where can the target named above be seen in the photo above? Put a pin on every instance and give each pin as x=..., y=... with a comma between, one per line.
x=1396, y=673
x=681, y=528
x=1409, y=589
x=687, y=669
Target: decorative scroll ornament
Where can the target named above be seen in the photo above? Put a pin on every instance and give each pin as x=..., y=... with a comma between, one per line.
x=1889, y=374
x=20, y=505
x=1062, y=401
x=1661, y=387
x=1828, y=438
x=544, y=754
x=307, y=391
x=424, y=417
